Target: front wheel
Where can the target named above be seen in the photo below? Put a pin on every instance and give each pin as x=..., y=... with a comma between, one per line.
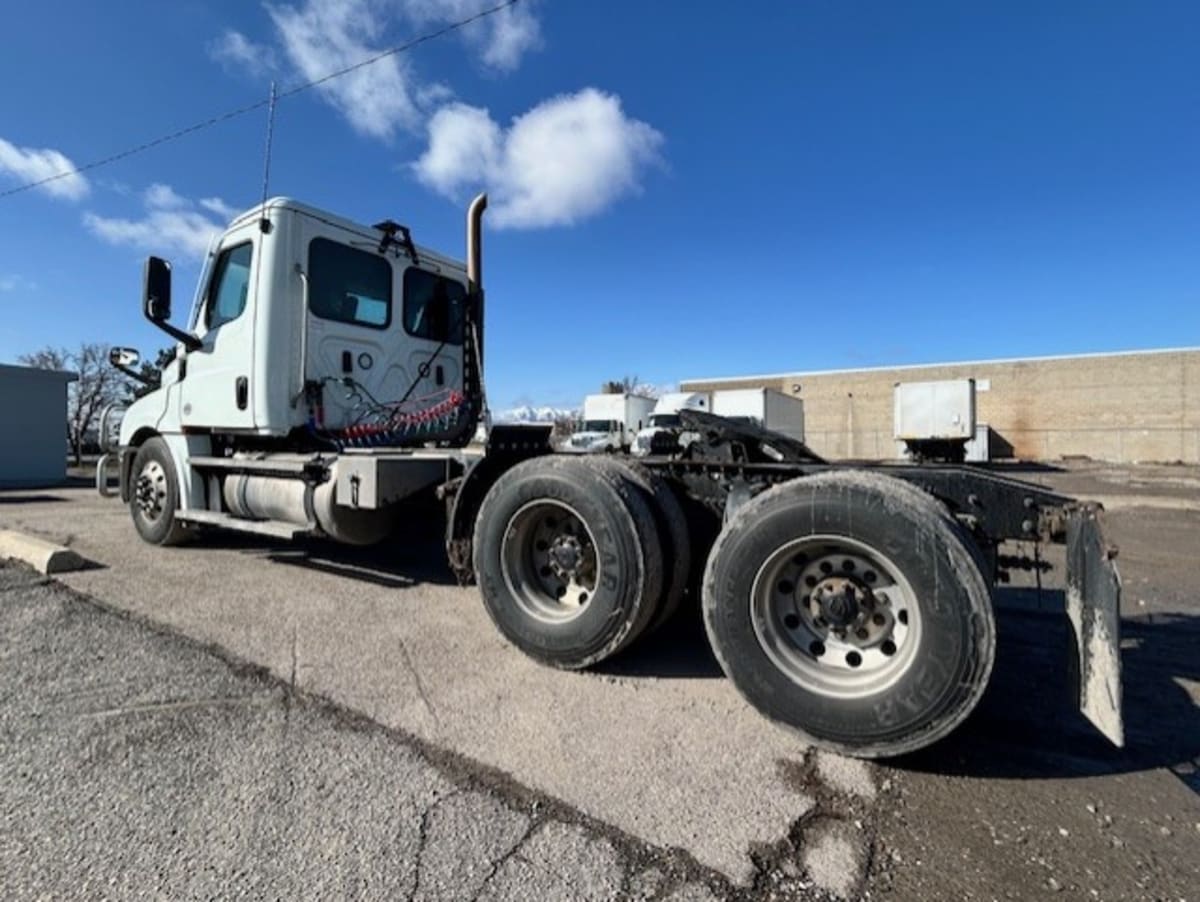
x=851, y=608
x=154, y=498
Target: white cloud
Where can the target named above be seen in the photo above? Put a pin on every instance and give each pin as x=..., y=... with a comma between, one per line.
x=28, y=164
x=321, y=36
x=502, y=38
x=218, y=206
x=318, y=37
x=236, y=51
x=567, y=159
x=163, y=197
x=172, y=224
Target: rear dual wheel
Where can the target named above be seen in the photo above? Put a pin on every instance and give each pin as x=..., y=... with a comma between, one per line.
x=568, y=558
x=851, y=608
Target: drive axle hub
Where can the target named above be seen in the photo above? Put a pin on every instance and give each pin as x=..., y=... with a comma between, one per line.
x=839, y=601
x=566, y=554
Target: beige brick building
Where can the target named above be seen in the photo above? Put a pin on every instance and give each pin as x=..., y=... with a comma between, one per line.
x=1123, y=407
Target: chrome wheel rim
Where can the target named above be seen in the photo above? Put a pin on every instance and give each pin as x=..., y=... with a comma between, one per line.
x=836, y=616
x=150, y=492
x=549, y=562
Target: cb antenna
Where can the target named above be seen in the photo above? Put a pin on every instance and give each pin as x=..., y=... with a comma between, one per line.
x=264, y=224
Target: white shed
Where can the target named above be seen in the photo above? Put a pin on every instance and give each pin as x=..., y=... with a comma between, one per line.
x=33, y=444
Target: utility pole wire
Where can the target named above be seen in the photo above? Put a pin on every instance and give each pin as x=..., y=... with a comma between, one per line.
x=258, y=105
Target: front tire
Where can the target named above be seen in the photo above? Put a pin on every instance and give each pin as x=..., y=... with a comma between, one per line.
x=851, y=608
x=154, y=495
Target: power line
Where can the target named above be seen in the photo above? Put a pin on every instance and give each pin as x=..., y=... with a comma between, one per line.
x=258, y=105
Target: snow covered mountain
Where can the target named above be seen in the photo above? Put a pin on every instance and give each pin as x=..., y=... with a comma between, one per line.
x=528, y=413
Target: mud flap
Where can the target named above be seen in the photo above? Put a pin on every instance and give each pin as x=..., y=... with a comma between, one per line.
x=1094, y=611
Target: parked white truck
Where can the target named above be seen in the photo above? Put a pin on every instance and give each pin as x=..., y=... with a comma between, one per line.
x=331, y=373
x=664, y=420
x=610, y=422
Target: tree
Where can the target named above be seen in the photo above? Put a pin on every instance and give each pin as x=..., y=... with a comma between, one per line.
x=624, y=385
x=629, y=385
x=99, y=384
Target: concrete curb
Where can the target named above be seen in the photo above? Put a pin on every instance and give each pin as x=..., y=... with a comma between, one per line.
x=45, y=557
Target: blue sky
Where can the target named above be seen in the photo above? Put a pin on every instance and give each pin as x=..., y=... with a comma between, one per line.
x=680, y=189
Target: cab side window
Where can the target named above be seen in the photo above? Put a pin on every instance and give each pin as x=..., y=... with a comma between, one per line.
x=433, y=306
x=229, y=286
x=349, y=285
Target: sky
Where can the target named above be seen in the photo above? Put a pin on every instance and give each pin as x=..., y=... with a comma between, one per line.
x=679, y=189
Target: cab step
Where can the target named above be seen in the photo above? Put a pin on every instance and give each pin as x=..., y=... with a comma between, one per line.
x=277, y=529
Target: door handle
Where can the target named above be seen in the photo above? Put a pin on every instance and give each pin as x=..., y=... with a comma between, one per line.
x=241, y=391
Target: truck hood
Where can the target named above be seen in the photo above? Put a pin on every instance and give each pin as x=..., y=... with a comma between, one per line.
x=586, y=439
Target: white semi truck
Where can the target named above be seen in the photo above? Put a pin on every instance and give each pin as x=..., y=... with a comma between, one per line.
x=665, y=423
x=610, y=422
x=331, y=373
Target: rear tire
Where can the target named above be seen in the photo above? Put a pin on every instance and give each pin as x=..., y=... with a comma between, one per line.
x=154, y=495
x=568, y=560
x=673, y=533
x=851, y=608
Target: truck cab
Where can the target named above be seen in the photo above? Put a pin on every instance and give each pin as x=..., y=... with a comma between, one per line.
x=664, y=420
x=610, y=422
x=304, y=319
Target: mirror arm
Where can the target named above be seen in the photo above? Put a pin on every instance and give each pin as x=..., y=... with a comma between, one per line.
x=131, y=373
x=190, y=341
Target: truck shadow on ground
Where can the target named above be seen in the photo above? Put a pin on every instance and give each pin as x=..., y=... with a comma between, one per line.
x=678, y=649
x=394, y=564
x=27, y=498
x=1027, y=725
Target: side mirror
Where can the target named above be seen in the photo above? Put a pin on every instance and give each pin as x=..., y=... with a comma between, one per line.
x=124, y=358
x=156, y=301
x=156, y=290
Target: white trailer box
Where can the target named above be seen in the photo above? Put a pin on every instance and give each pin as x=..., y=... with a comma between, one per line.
x=935, y=411
x=610, y=422
x=764, y=407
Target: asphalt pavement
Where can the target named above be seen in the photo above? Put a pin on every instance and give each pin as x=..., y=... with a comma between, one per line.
x=138, y=763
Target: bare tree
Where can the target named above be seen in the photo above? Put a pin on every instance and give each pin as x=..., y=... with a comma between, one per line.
x=629, y=385
x=624, y=385
x=99, y=384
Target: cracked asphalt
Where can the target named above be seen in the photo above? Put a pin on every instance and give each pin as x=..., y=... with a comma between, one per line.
x=135, y=762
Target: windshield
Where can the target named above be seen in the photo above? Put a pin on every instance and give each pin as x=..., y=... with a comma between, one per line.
x=665, y=420
x=599, y=426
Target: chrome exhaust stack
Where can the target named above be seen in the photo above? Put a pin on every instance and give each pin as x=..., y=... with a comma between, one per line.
x=475, y=243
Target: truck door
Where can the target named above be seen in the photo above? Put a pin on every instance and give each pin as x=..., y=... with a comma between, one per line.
x=216, y=391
